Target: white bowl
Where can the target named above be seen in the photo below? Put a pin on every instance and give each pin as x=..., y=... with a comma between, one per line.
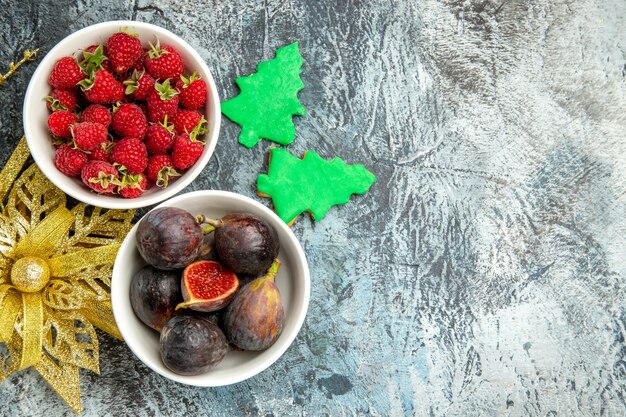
x=35, y=113
x=293, y=281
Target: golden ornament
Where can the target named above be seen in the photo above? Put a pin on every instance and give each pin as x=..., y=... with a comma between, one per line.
x=29, y=55
x=30, y=274
x=55, y=271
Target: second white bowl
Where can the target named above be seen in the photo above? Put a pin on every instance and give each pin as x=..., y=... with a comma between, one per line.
x=293, y=282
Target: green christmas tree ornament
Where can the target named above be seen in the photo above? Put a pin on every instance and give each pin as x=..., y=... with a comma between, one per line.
x=310, y=184
x=269, y=99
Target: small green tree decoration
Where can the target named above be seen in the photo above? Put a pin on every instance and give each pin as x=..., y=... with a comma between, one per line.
x=310, y=184
x=268, y=99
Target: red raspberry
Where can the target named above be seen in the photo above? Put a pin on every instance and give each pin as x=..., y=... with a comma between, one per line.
x=139, y=64
x=144, y=109
x=187, y=150
x=129, y=120
x=60, y=99
x=92, y=48
x=102, y=88
x=124, y=51
x=95, y=57
x=100, y=176
x=160, y=137
x=96, y=113
x=88, y=136
x=66, y=73
x=160, y=169
x=139, y=85
x=60, y=123
x=130, y=153
x=69, y=161
x=164, y=62
x=150, y=183
x=186, y=120
x=162, y=101
x=101, y=153
x=132, y=186
x=193, y=91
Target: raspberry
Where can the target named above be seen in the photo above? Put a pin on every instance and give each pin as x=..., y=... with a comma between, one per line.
x=186, y=120
x=193, y=91
x=100, y=176
x=160, y=169
x=88, y=136
x=164, y=62
x=130, y=153
x=132, y=186
x=102, y=88
x=162, y=101
x=95, y=58
x=186, y=151
x=129, y=120
x=60, y=123
x=138, y=65
x=96, y=113
x=139, y=85
x=144, y=109
x=69, y=161
x=124, y=51
x=101, y=153
x=66, y=73
x=160, y=137
x=61, y=99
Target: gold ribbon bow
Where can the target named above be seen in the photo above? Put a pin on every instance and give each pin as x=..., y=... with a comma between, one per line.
x=55, y=270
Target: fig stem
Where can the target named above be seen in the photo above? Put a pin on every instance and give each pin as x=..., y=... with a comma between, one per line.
x=213, y=222
x=207, y=229
x=202, y=219
x=271, y=273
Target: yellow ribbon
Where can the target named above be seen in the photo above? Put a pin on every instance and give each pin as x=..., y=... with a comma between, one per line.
x=32, y=323
x=73, y=262
x=43, y=239
x=10, y=304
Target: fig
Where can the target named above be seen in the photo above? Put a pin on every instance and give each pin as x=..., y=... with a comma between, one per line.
x=254, y=318
x=207, y=249
x=169, y=238
x=154, y=295
x=207, y=286
x=214, y=318
x=245, y=243
x=191, y=345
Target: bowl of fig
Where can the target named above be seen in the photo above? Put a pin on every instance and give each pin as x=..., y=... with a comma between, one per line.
x=210, y=288
x=122, y=114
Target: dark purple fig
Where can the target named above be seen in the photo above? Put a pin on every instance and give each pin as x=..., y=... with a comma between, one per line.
x=169, y=238
x=245, y=243
x=191, y=345
x=207, y=249
x=154, y=295
x=254, y=318
x=214, y=318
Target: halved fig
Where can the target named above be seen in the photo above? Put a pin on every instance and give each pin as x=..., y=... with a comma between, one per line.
x=207, y=286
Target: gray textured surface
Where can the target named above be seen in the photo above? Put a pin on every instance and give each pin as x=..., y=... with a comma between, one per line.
x=484, y=272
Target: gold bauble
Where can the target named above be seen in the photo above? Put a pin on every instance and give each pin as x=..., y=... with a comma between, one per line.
x=30, y=274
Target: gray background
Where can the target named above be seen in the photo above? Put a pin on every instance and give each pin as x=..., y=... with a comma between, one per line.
x=483, y=274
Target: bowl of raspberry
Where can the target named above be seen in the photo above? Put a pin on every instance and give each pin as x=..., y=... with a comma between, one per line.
x=122, y=114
